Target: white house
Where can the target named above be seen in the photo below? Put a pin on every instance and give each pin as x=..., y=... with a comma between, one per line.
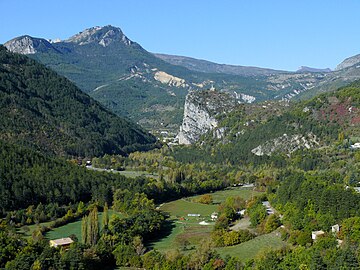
x=335, y=228
x=316, y=234
x=193, y=215
x=355, y=145
x=214, y=216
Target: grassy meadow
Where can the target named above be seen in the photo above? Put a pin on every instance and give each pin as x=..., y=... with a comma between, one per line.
x=251, y=249
x=64, y=231
x=186, y=232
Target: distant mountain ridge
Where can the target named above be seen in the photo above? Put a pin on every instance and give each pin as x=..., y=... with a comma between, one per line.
x=310, y=69
x=211, y=67
x=135, y=83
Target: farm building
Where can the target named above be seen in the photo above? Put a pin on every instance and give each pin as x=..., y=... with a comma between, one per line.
x=193, y=215
x=62, y=242
x=316, y=234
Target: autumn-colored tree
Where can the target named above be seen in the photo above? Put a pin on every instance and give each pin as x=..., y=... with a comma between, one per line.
x=205, y=199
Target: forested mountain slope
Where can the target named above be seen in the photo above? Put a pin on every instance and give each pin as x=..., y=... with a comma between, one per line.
x=41, y=109
x=257, y=131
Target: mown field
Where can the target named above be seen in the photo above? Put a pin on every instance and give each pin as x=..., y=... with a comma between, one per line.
x=185, y=232
x=254, y=247
x=74, y=228
x=64, y=231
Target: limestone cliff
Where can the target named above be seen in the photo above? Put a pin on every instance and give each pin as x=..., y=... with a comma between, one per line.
x=101, y=35
x=287, y=143
x=28, y=45
x=200, y=111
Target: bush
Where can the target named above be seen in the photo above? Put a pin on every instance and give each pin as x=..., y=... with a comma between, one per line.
x=205, y=199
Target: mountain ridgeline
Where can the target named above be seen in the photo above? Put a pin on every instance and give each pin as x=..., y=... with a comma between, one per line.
x=47, y=112
x=151, y=88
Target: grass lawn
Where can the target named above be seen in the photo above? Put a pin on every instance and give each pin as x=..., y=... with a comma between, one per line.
x=28, y=233
x=73, y=228
x=182, y=228
x=63, y=231
x=252, y=248
x=133, y=174
x=183, y=207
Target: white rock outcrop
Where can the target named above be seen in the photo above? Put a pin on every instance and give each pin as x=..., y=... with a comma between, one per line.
x=170, y=80
x=23, y=46
x=286, y=143
x=27, y=45
x=104, y=36
x=200, y=111
x=348, y=62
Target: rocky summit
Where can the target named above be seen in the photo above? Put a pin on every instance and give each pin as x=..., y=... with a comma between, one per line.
x=349, y=62
x=101, y=35
x=29, y=45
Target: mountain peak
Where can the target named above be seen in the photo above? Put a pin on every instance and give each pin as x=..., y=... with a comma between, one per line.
x=348, y=62
x=28, y=45
x=104, y=36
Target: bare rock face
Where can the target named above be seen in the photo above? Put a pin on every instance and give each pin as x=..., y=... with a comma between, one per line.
x=28, y=45
x=200, y=111
x=286, y=143
x=348, y=62
x=170, y=80
x=104, y=36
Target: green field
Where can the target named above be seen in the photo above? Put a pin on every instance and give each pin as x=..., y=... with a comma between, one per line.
x=63, y=231
x=183, y=228
x=28, y=233
x=245, y=193
x=133, y=174
x=73, y=228
x=254, y=247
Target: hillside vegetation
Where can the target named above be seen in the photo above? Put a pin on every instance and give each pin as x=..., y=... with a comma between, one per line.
x=48, y=112
x=325, y=120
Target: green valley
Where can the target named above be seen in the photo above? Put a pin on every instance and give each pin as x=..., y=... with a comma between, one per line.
x=254, y=180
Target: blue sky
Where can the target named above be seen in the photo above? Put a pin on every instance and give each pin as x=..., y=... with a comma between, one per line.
x=265, y=33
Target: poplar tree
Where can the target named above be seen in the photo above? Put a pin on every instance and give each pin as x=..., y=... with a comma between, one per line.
x=105, y=217
x=84, y=229
x=93, y=227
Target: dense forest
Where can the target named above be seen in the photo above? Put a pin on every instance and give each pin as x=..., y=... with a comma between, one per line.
x=46, y=111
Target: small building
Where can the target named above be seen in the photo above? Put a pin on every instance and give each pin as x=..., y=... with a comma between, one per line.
x=335, y=228
x=355, y=146
x=316, y=234
x=269, y=210
x=193, y=215
x=62, y=242
x=214, y=216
